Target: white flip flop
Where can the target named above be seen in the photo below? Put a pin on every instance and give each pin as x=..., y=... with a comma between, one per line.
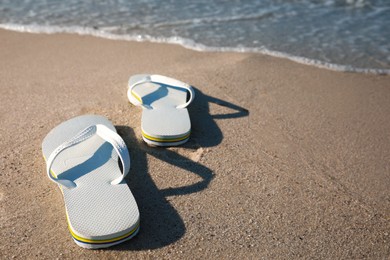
x=165, y=119
x=82, y=158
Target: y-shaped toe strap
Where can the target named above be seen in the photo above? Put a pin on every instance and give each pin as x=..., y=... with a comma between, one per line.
x=159, y=79
x=104, y=132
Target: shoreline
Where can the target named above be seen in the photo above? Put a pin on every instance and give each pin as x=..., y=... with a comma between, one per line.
x=188, y=44
x=284, y=160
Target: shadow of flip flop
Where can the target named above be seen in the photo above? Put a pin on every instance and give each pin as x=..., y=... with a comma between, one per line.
x=161, y=224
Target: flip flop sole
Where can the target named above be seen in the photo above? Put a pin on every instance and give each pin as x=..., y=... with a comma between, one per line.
x=165, y=141
x=166, y=126
x=96, y=244
x=99, y=214
x=164, y=122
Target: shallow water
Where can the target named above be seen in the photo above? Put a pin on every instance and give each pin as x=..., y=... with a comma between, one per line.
x=349, y=35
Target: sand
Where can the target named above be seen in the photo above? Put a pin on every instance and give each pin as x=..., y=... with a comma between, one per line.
x=285, y=160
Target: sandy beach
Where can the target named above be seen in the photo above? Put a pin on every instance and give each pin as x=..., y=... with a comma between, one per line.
x=284, y=161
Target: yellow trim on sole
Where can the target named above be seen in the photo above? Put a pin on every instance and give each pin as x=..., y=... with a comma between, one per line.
x=91, y=241
x=51, y=171
x=156, y=139
x=136, y=96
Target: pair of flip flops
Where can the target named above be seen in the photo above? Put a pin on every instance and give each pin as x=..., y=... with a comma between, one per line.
x=82, y=156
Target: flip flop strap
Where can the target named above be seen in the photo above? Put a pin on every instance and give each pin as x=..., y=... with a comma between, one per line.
x=164, y=80
x=105, y=133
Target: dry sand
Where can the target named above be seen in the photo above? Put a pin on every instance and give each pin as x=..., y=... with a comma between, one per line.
x=285, y=160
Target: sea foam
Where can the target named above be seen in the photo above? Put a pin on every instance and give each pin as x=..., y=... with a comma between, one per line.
x=187, y=43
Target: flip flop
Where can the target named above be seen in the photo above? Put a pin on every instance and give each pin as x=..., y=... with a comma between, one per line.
x=82, y=158
x=165, y=119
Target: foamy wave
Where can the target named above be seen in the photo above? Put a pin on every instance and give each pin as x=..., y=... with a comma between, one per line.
x=187, y=43
x=215, y=20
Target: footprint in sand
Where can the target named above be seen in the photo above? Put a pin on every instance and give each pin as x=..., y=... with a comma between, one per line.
x=197, y=155
x=180, y=154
